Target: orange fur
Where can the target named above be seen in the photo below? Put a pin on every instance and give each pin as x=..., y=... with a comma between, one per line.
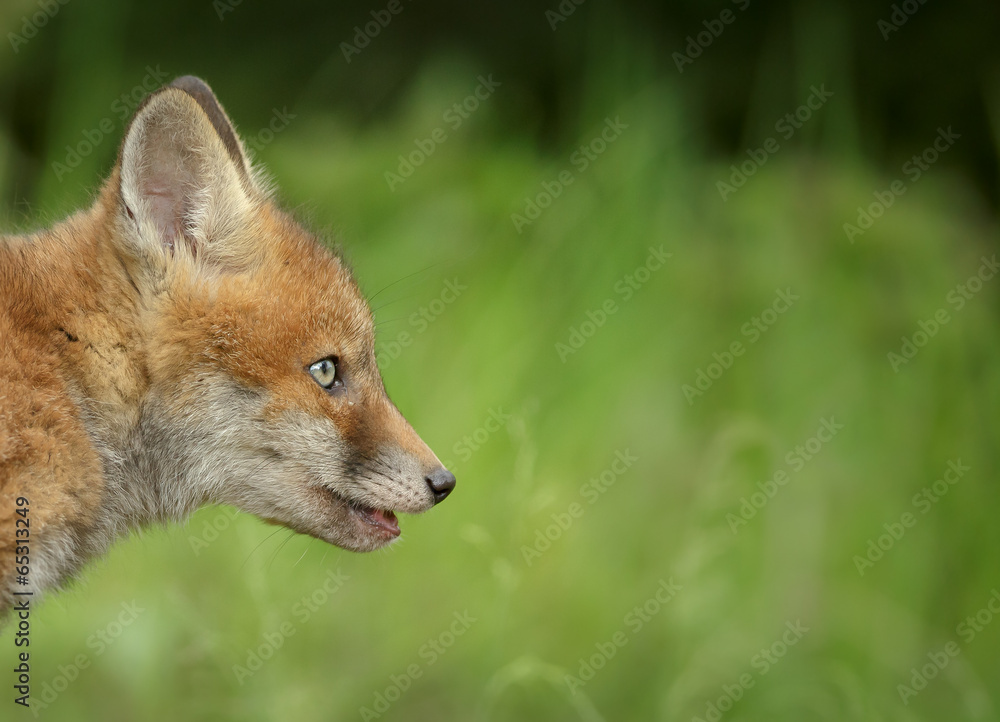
x=154, y=355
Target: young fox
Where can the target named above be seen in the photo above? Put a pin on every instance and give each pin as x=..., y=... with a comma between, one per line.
x=184, y=342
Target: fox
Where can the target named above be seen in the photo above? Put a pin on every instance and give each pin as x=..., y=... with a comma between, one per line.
x=185, y=342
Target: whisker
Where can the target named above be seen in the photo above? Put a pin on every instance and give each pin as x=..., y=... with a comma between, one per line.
x=389, y=320
x=258, y=546
x=274, y=556
x=410, y=275
x=304, y=552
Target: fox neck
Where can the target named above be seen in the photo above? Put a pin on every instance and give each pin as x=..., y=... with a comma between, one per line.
x=155, y=476
x=97, y=347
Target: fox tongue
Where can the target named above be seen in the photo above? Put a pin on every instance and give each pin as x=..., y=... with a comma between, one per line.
x=383, y=519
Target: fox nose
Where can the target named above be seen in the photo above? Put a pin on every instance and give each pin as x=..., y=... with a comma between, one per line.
x=441, y=481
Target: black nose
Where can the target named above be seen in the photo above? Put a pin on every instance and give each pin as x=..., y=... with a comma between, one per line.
x=441, y=482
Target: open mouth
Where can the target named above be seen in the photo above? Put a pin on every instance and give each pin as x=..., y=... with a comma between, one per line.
x=379, y=518
x=369, y=527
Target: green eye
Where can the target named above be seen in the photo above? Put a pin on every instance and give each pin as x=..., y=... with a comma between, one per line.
x=325, y=373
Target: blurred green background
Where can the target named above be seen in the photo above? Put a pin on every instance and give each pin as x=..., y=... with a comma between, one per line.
x=706, y=436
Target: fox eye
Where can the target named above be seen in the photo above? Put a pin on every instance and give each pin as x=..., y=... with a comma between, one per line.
x=325, y=373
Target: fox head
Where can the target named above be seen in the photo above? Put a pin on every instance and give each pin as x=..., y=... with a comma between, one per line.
x=261, y=388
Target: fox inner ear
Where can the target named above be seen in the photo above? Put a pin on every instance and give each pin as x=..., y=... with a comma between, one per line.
x=183, y=174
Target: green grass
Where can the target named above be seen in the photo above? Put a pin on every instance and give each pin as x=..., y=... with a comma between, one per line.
x=665, y=517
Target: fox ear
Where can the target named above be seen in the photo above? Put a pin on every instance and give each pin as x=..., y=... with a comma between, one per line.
x=184, y=177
